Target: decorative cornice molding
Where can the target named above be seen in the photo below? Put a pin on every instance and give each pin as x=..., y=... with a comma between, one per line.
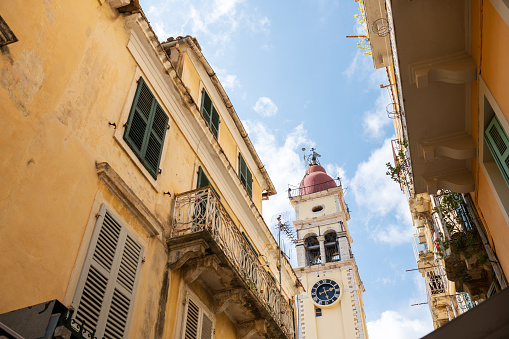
x=129, y=199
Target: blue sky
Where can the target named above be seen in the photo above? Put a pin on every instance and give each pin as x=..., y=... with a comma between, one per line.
x=296, y=81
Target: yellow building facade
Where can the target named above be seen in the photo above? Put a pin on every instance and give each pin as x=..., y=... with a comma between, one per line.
x=131, y=192
x=330, y=306
x=447, y=72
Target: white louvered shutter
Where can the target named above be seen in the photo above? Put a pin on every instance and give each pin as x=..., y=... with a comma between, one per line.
x=198, y=324
x=206, y=327
x=105, y=292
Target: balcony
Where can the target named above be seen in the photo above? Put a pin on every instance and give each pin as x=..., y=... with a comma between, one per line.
x=209, y=248
x=465, y=258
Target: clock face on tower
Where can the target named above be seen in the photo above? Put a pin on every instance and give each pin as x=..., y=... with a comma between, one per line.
x=325, y=292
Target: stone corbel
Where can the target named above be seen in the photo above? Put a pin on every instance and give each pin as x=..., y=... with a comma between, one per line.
x=460, y=182
x=181, y=253
x=195, y=268
x=453, y=69
x=459, y=146
x=223, y=300
x=118, y=3
x=252, y=329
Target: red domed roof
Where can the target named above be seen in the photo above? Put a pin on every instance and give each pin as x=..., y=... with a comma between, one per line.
x=316, y=180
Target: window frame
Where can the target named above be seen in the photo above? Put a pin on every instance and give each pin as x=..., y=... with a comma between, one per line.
x=205, y=112
x=488, y=108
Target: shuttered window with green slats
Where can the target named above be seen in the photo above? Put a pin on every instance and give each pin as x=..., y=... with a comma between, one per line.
x=204, y=181
x=146, y=128
x=210, y=113
x=498, y=143
x=107, y=284
x=245, y=175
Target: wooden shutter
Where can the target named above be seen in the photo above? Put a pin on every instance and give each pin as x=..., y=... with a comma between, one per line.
x=192, y=320
x=198, y=325
x=206, y=327
x=146, y=128
x=202, y=179
x=214, y=121
x=107, y=284
x=210, y=113
x=498, y=143
x=245, y=175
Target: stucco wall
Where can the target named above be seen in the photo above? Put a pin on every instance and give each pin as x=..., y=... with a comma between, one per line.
x=490, y=48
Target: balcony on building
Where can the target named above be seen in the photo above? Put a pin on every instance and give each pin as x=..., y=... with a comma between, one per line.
x=460, y=244
x=207, y=245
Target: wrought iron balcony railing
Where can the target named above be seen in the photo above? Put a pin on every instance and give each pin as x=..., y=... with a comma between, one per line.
x=200, y=210
x=295, y=191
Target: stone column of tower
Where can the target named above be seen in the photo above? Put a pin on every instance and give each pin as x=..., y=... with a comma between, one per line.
x=331, y=305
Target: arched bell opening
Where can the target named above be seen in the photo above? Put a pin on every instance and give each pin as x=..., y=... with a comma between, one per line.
x=312, y=246
x=331, y=247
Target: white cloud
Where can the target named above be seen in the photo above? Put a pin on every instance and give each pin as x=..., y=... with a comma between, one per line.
x=378, y=195
x=376, y=119
x=229, y=81
x=214, y=23
x=283, y=161
x=394, y=325
x=265, y=107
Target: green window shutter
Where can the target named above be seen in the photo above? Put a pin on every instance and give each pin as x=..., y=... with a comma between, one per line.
x=498, y=143
x=146, y=128
x=107, y=284
x=204, y=181
x=210, y=113
x=245, y=175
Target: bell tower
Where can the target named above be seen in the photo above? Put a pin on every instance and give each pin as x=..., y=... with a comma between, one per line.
x=331, y=305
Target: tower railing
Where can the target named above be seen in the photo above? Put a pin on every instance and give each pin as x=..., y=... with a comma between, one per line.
x=296, y=191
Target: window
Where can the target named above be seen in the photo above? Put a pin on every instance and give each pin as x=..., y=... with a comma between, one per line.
x=318, y=312
x=107, y=285
x=203, y=181
x=146, y=128
x=245, y=175
x=498, y=143
x=198, y=324
x=331, y=247
x=210, y=113
x=313, y=254
x=6, y=35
